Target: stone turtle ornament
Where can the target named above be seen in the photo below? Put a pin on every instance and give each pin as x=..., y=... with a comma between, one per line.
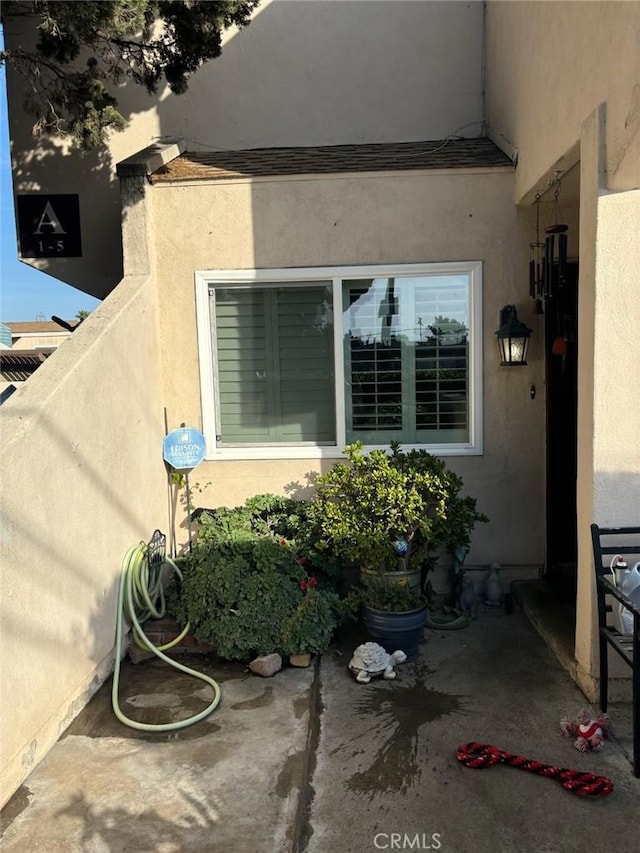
x=370, y=660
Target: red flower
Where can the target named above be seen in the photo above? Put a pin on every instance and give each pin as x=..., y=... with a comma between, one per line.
x=313, y=581
x=303, y=585
x=283, y=541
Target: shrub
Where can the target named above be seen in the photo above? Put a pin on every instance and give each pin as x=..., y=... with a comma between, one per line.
x=312, y=624
x=382, y=593
x=367, y=506
x=250, y=585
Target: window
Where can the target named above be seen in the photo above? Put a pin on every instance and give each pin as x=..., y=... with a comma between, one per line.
x=274, y=357
x=407, y=359
x=297, y=363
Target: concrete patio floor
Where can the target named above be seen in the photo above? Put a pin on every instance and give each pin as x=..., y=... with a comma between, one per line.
x=309, y=761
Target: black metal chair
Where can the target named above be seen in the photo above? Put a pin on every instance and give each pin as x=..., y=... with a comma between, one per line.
x=608, y=541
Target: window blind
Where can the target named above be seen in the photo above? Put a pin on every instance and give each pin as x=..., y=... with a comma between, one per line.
x=407, y=359
x=274, y=364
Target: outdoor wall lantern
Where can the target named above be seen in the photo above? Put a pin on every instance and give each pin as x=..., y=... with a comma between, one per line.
x=513, y=338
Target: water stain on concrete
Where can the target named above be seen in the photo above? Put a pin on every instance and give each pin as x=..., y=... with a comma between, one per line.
x=301, y=704
x=397, y=711
x=153, y=700
x=14, y=807
x=262, y=701
x=291, y=774
x=210, y=752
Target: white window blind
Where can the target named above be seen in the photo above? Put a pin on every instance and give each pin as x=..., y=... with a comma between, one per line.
x=407, y=359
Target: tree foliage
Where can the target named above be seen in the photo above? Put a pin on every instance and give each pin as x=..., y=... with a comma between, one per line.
x=83, y=50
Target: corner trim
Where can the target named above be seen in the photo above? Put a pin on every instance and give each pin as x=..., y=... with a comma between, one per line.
x=146, y=162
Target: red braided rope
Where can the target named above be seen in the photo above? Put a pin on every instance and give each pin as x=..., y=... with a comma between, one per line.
x=479, y=755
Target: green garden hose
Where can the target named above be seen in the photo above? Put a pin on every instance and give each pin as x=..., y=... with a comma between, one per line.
x=141, y=596
x=447, y=621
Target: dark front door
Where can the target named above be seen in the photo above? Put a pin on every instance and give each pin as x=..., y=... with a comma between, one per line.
x=561, y=341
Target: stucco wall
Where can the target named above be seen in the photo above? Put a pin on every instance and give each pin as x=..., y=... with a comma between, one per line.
x=82, y=479
x=548, y=66
x=375, y=218
x=33, y=341
x=609, y=363
x=305, y=72
x=563, y=85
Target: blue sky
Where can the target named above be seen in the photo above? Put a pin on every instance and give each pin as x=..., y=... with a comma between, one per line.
x=26, y=293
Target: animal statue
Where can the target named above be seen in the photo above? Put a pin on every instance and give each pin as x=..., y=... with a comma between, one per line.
x=589, y=733
x=467, y=599
x=370, y=660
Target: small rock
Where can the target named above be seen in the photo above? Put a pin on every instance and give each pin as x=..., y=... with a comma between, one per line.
x=266, y=665
x=300, y=660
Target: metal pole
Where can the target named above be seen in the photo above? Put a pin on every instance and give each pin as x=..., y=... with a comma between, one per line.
x=186, y=477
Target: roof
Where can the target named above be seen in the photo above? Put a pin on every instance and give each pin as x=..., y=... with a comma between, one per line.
x=37, y=327
x=17, y=365
x=453, y=153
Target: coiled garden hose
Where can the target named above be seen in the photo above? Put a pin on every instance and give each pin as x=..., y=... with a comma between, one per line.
x=141, y=596
x=447, y=621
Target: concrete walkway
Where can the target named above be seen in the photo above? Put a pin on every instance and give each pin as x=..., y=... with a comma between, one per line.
x=309, y=761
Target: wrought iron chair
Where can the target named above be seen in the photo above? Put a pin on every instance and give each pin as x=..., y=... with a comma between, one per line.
x=608, y=541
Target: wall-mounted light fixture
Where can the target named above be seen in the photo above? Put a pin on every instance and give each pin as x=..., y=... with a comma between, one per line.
x=513, y=338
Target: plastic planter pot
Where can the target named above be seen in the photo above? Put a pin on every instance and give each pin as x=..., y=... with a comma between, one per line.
x=411, y=578
x=396, y=630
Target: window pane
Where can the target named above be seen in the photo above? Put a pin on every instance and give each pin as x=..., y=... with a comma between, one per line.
x=274, y=359
x=406, y=351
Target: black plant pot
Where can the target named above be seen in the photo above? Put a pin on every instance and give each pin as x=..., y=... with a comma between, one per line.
x=396, y=630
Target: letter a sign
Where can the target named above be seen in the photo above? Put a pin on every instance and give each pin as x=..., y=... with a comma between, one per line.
x=49, y=226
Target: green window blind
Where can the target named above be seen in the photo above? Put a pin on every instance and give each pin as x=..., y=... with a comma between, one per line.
x=274, y=356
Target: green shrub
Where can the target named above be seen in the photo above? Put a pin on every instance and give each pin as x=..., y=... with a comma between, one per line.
x=274, y=517
x=311, y=625
x=374, y=501
x=252, y=584
x=383, y=593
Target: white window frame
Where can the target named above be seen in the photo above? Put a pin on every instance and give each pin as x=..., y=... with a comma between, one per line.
x=205, y=278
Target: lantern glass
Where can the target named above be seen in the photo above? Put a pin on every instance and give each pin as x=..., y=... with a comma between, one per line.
x=513, y=338
x=513, y=350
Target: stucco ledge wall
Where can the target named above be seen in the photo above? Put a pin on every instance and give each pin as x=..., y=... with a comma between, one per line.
x=82, y=480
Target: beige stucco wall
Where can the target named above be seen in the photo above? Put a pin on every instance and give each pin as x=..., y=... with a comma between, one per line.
x=366, y=219
x=82, y=479
x=609, y=400
x=305, y=72
x=548, y=67
x=33, y=341
x=563, y=85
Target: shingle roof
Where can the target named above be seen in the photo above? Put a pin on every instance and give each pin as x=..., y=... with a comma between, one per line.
x=35, y=327
x=327, y=159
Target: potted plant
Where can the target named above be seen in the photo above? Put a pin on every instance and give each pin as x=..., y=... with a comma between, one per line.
x=393, y=613
x=387, y=512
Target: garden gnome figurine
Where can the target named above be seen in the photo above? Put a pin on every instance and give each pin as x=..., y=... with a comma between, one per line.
x=494, y=591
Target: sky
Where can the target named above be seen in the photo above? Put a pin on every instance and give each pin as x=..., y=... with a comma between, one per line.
x=25, y=293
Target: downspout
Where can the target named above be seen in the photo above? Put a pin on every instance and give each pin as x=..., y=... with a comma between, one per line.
x=483, y=69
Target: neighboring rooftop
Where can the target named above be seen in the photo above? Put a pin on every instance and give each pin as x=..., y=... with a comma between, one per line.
x=37, y=327
x=18, y=365
x=451, y=153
